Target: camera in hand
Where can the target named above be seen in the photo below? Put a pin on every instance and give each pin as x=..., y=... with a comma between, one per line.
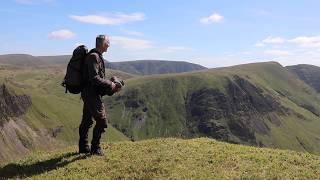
x=119, y=84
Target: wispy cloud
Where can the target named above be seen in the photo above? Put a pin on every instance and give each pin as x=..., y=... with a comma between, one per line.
x=306, y=41
x=213, y=18
x=61, y=34
x=259, y=45
x=302, y=41
x=111, y=19
x=290, y=51
x=131, y=43
x=274, y=40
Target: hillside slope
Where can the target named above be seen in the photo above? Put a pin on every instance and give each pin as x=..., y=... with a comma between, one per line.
x=260, y=104
x=17, y=137
x=35, y=112
x=168, y=159
x=310, y=74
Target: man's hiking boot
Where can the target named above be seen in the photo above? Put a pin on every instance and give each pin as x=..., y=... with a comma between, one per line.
x=96, y=151
x=84, y=149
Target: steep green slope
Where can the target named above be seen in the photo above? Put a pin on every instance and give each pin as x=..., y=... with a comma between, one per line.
x=308, y=73
x=168, y=159
x=260, y=104
x=51, y=118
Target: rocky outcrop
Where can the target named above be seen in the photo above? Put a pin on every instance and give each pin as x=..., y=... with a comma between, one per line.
x=17, y=137
x=234, y=114
x=12, y=105
x=239, y=112
x=135, y=105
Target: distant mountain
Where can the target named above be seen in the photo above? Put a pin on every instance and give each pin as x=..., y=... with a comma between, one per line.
x=22, y=60
x=63, y=59
x=148, y=67
x=310, y=74
x=26, y=60
x=139, y=67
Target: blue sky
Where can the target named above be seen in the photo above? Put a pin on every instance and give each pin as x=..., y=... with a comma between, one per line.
x=207, y=32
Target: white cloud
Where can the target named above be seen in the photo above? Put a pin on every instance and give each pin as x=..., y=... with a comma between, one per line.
x=274, y=40
x=61, y=34
x=259, y=45
x=307, y=41
x=290, y=51
x=277, y=53
x=111, y=19
x=302, y=41
x=130, y=43
x=214, y=18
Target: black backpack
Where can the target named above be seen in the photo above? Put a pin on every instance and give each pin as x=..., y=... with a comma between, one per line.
x=74, y=80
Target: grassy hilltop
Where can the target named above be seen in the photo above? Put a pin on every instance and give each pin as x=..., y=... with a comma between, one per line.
x=168, y=158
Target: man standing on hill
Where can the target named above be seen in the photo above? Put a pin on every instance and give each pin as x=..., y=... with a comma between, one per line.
x=97, y=86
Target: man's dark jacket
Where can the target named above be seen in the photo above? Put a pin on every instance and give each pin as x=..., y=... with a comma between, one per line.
x=94, y=72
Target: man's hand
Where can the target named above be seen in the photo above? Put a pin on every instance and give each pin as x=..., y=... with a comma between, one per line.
x=116, y=87
x=117, y=84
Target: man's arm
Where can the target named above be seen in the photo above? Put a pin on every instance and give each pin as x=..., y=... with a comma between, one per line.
x=93, y=73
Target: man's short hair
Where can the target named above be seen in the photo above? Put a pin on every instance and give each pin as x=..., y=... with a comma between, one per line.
x=100, y=39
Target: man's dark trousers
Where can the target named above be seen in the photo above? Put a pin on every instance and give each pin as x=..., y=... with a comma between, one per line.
x=93, y=108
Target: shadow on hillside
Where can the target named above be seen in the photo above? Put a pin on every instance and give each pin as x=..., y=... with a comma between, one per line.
x=14, y=170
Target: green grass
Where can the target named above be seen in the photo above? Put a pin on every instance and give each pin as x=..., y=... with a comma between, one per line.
x=168, y=159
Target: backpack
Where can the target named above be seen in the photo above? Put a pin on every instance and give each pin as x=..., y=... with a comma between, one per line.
x=74, y=80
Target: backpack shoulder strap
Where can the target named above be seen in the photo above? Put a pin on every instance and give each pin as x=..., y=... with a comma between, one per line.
x=96, y=54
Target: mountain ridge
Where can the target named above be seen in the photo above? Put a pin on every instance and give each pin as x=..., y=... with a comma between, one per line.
x=137, y=67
